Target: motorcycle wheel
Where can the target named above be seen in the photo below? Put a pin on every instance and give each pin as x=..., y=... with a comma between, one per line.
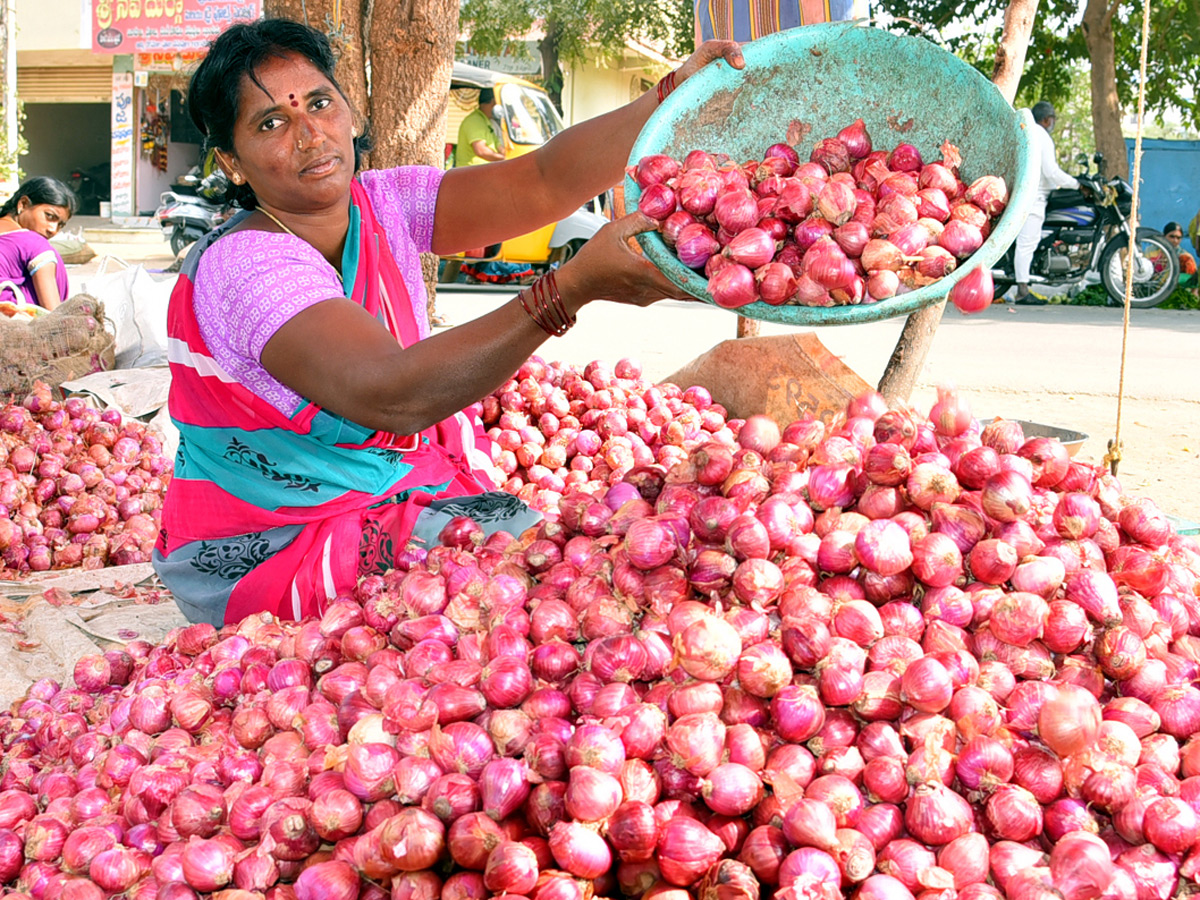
x=1154, y=278
x=181, y=237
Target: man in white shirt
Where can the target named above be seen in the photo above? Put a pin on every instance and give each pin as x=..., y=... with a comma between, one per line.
x=1051, y=177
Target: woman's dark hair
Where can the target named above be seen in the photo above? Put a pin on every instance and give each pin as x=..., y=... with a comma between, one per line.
x=42, y=189
x=1172, y=226
x=237, y=53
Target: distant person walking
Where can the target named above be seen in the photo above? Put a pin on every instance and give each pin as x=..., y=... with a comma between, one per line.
x=1051, y=177
x=31, y=271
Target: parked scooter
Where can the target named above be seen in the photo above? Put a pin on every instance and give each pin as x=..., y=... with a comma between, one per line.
x=1085, y=239
x=186, y=217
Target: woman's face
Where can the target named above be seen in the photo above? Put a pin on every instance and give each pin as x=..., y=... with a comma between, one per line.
x=293, y=142
x=43, y=218
x=1175, y=237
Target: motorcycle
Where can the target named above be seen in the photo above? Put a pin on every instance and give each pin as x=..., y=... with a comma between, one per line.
x=90, y=186
x=1085, y=239
x=187, y=214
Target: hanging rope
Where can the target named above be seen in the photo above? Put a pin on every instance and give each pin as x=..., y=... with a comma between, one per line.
x=1113, y=457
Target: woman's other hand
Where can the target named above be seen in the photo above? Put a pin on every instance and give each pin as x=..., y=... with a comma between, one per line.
x=710, y=51
x=610, y=267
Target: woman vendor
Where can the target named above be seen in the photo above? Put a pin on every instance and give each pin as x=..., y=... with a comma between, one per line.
x=321, y=426
x=31, y=271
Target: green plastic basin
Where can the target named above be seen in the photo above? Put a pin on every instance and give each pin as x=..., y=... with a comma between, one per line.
x=808, y=83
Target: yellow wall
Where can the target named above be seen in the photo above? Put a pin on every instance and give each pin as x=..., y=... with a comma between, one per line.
x=48, y=25
x=595, y=88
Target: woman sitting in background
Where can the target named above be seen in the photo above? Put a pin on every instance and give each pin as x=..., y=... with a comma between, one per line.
x=1187, y=262
x=31, y=271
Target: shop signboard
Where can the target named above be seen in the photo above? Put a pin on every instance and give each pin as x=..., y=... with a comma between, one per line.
x=164, y=26
x=166, y=60
x=521, y=58
x=123, y=118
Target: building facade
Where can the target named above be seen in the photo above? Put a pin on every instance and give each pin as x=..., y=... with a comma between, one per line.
x=101, y=86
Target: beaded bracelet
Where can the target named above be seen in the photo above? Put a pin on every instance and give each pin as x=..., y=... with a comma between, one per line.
x=544, y=304
x=665, y=85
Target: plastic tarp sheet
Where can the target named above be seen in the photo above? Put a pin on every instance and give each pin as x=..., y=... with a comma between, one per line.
x=48, y=622
x=137, y=393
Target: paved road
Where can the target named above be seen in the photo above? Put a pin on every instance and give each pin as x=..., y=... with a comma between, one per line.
x=1056, y=364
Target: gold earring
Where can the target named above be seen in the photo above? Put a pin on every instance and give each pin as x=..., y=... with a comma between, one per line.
x=237, y=178
x=354, y=131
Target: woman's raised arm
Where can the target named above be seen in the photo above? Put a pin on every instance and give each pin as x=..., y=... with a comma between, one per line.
x=480, y=205
x=340, y=357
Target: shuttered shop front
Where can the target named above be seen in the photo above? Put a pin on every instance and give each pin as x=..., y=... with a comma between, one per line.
x=64, y=84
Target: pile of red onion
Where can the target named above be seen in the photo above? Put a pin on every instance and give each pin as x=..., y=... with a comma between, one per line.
x=893, y=657
x=557, y=428
x=78, y=487
x=852, y=225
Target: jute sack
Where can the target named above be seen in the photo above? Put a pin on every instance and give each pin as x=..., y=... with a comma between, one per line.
x=68, y=343
x=73, y=250
x=787, y=377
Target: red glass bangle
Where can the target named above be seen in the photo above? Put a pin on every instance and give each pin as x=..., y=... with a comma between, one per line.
x=525, y=297
x=543, y=303
x=556, y=300
x=665, y=85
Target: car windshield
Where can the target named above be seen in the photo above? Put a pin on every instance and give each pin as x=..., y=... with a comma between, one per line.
x=531, y=117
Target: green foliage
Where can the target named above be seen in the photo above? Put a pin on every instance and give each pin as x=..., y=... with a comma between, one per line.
x=10, y=166
x=1092, y=295
x=1183, y=297
x=1073, y=131
x=1057, y=48
x=581, y=27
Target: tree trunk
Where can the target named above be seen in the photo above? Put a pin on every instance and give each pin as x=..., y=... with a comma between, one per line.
x=552, y=76
x=747, y=328
x=411, y=52
x=1014, y=41
x=1106, y=105
x=912, y=349
x=409, y=47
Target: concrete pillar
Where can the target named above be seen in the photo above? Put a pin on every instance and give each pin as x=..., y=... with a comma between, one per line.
x=125, y=120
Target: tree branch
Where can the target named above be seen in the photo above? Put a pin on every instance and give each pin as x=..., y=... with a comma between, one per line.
x=1014, y=42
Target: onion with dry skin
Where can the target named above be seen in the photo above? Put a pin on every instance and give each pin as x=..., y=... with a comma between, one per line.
x=856, y=659
x=778, y=211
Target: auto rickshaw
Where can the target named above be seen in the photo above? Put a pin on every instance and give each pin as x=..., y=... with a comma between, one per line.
x=525, y=118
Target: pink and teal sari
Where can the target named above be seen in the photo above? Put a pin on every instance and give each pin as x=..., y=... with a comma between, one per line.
x=283, y=513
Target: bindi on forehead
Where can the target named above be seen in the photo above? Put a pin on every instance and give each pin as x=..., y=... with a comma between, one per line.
x=292, y=97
